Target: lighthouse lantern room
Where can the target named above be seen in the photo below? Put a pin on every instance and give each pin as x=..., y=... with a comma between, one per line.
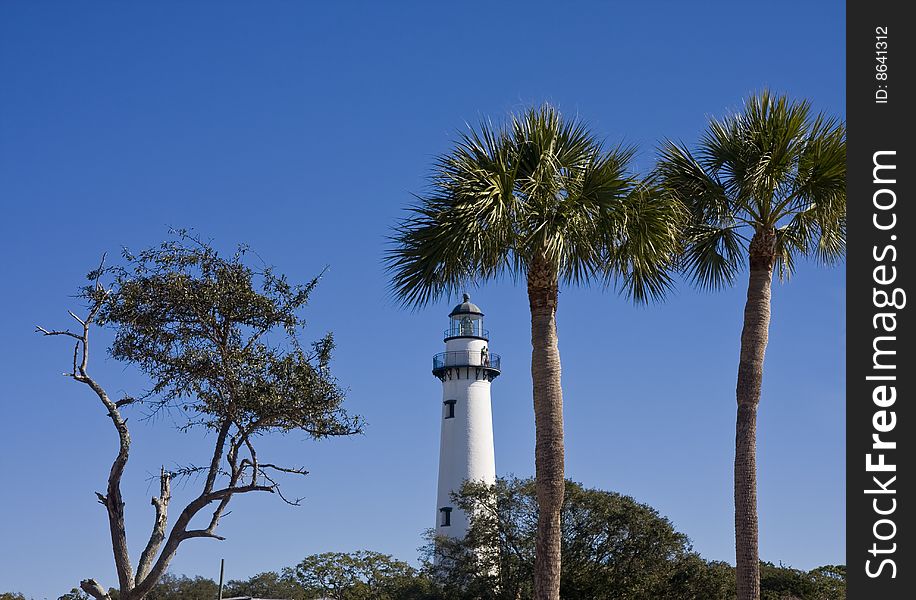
x=466, y=370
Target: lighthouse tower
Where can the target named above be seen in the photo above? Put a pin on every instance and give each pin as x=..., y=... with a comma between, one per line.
x=466, y=369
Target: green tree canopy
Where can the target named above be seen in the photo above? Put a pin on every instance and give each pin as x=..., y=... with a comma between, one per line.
x=269, y=584
x=219, y=339
x=182, y=587
x=361, y=575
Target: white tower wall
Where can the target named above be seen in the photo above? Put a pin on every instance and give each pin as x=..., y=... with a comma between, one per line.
x=466, y=451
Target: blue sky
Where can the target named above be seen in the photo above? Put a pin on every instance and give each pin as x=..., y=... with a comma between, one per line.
x=303, y=130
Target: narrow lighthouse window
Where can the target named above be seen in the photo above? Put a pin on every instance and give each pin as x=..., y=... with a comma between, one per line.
x=449, y=409
x=446, y=516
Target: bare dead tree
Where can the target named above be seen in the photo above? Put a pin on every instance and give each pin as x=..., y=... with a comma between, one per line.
x=196, y=324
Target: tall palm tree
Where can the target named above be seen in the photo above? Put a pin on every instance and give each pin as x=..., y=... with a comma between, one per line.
x=539, y=199
x=768, y=184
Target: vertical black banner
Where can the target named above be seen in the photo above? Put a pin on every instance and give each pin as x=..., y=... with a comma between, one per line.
x=881, y=370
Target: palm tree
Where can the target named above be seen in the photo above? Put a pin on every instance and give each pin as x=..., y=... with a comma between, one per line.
x=539, y=199
x=768, y=184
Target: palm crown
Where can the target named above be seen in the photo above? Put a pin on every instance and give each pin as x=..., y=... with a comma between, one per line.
x=541, y=200
x=772, y=167
x=778, y=174
x=540, y=189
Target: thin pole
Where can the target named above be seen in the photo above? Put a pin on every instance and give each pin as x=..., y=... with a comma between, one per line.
x=222, y=565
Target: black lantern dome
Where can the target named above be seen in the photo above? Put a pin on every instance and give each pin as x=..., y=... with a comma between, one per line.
x=466, y=308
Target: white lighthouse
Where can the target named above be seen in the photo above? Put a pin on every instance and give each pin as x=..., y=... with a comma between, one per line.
x=466, y=369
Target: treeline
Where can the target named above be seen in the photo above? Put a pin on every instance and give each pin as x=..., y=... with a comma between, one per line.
x=614, y=547
x=391, y=579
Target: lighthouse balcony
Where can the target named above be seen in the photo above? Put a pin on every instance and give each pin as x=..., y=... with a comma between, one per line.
x=486, y=362
x=467, y=330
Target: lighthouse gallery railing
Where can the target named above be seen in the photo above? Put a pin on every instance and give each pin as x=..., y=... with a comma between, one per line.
x=466, y=358
x=475, y=331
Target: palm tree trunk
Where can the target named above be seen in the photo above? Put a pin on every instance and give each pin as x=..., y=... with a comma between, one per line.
x=750, y=376
x=548, y=419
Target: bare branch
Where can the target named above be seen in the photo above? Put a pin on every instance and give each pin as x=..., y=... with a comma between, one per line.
x=67, y=332
x=112, y=499
x=125, y=401
x=294, y=471
x=245, y=437
x=217, y=456
x=99, y=271
x=275, y=487
x=160, y=522
x=94, y=589
x=188, y=471
x=179, y=531
x=198, y=533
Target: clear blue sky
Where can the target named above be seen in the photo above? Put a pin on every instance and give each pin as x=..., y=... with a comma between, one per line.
x=303, y=130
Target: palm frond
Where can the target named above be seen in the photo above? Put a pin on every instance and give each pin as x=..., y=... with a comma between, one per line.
x=463, y=230
x=648, y=246
x=714, y=255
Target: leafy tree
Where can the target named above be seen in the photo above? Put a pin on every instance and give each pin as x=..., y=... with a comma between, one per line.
x=362, y=575
x=781, y=583
x=829, y=582
x=613, y=546
x=11, y=596
x=697, y=579
x=268, y=585
x=767, y=185
x=495, y=560
x=218, y=339
x=540, y=200
x=173, y=587
x=785, y=583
